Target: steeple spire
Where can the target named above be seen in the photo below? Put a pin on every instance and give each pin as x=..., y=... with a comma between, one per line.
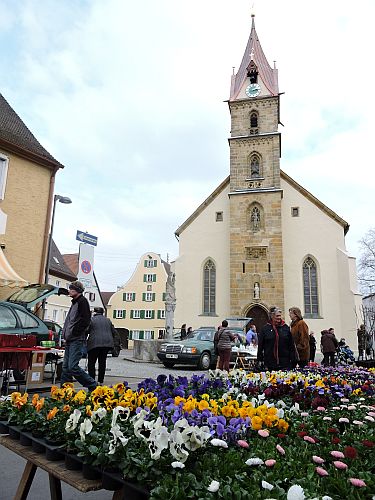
x=254, y=59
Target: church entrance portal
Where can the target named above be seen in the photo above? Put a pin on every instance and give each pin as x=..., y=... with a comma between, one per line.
x=259, y=316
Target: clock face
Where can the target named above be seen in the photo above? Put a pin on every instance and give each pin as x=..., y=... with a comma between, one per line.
x=253, y=90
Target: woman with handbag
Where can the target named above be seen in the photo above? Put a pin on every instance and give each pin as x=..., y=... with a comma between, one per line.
x=300, y=334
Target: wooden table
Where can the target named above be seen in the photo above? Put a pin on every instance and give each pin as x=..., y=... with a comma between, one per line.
x=56, y=472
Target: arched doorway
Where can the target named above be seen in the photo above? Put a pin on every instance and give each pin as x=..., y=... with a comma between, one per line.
x=259, y=315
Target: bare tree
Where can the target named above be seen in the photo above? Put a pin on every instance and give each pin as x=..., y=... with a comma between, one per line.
x=366, y=264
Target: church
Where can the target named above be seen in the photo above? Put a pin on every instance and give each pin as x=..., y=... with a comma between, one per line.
x=261, y=239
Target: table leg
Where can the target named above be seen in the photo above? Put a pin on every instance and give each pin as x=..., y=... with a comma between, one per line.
x=26, y=481
x=118, y=495
x=55, y=487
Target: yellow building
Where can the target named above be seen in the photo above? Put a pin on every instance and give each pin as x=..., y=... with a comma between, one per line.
x=27, y=176
x=138, y=308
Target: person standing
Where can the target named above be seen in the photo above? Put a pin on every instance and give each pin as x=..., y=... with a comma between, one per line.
x=300, y=334
x=251, y=335
x=312, y=341
x=102, y=337
x=74, y=333
x=276, y=347
x=224, y=339
x=329, y=345
x=183, y=331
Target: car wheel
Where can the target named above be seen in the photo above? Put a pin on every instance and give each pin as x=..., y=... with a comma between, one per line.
x=168, y=364
x=204, y=361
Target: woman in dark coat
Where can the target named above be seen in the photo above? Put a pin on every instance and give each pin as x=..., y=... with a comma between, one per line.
x=300, y=334
x=329, y=345
x=276, y=348
x=223, y=340
x=312, y=340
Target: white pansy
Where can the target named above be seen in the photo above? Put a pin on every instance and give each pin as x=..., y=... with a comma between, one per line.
x=254, y=461
x=219, y=442
x=295, y=492
x=195, y=437
x=158, y=441
x=267, y=486
x=72, y=422
x=121, y=412
x=176, y=446
x=281, y=404
x=280, y=413
x=85, y=428
x=177, y=465
x=138, y=421
x=117, y=439
x=214, y=486
x=98, y=414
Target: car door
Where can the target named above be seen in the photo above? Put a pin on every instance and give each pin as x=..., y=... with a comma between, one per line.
x=31, y=325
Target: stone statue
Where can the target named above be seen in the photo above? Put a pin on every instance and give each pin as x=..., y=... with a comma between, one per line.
x=170, y=304
x=256, y=290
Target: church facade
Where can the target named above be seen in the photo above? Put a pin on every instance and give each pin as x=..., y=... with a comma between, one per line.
x=260, y=239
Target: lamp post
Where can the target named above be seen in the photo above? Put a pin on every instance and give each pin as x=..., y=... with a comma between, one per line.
x=66, y=201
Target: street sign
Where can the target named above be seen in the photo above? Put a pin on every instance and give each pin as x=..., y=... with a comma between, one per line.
x=87, y=238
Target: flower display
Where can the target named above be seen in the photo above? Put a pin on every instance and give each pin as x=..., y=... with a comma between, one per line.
x=300, y=434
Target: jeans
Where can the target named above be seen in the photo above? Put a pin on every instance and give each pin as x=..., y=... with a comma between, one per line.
x=100, y=354
x=71, y=368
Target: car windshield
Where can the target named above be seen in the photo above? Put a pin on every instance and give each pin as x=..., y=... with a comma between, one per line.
x=202, y=335
x=30, y=293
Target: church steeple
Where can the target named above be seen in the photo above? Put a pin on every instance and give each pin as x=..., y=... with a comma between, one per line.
x=254, y=69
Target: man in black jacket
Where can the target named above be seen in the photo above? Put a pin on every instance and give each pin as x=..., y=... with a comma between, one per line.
x=74, y=333
x=276, y=347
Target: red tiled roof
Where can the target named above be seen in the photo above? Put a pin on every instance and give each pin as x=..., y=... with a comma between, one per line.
x=266, y=73
x=58, y=266
x=71, y=260
x=106, y=296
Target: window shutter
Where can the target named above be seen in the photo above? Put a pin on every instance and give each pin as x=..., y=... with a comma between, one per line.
x=131, y=313
x=143, y=297
x=133, y=296
x=152, y=314
x=159, y=314
x=145, y=263
x=123, y=296
x=164, y=296
x=142, y=314
x=114, y=313
x=155, y=263
x=124, y=313
x=144, y=277
x=141, y=334
x=153, y=297
x=154, y=278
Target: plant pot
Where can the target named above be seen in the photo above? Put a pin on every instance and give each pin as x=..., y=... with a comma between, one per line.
x=112, y=479
x=90, y=472
x=134, y=491
x=72, y=462
x=53, y=442
x=25, y=439
x=38, y=444
x=4, y=427
x=14, y=432
x=54, y=454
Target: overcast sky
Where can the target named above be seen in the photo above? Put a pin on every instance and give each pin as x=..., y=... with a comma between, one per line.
x=129, y=97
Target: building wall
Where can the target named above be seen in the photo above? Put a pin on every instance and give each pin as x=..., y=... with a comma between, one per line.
x=119, y=306
x=314, y=233
x=202, y=239
x=25, y=204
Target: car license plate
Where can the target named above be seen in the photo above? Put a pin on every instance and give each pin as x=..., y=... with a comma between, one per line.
x=171, y=356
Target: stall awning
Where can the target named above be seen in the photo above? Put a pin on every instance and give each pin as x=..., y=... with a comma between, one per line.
x=8, y=276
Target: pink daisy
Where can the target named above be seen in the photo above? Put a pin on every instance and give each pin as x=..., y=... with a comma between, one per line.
x=340, y=465
x=357, y=482
x=337, y=454
x=322, y=472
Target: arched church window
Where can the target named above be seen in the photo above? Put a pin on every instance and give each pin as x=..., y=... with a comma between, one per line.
x=254, y=119
x=209, y=288
x=310, y=287
x=255, y=219
x=254, y=166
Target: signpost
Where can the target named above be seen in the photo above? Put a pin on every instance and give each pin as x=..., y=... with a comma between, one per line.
x=87, y=238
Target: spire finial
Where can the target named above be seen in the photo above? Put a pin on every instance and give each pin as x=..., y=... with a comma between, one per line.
x=252, y=15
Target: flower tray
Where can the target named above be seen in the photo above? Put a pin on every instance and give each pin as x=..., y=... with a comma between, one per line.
x=54, y=453
x=112, y=481
x=26, y=438
x=4, y=427
x=72, y=461
x=38, y=444
x=91, y=472
x=133, y=491
x=14, y=432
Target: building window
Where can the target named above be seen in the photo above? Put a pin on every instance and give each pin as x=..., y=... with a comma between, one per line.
x=209, y=288
x=295, y=211
x=151, y=262
x=149, y=334
x=253, y=119
x=136, y=314
x=161, y=314
x=128, y=296
x=149, y=278
x=149, y=314
x=148, y=297
x=254, y=166
x=310, y=288
x=119, y=313
x=4, y=162
x=149, y=288
x=219, y=216
x=65, y=313
x=255, y=219
x=91, y=296
x=54, y=314
x=134, y=334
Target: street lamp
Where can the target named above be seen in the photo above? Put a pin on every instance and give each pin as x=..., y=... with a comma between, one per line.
x=66, y=201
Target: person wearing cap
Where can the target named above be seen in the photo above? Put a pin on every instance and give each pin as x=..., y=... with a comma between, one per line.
x=102, y=338
x=74, y=333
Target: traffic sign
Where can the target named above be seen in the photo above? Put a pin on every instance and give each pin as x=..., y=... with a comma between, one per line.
x=86, y=266
x=87, y=238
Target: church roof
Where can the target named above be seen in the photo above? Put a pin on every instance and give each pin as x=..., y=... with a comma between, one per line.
x=254, y=52
x=17, y=138
x=283, y=176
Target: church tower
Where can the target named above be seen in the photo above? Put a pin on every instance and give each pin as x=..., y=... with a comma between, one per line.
x=256, y=255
